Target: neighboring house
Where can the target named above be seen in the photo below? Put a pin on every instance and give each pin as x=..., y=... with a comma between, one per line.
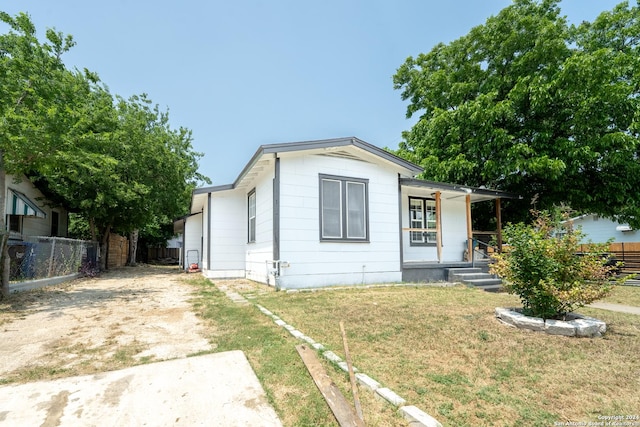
x=27, y=212
x=34, y=227
x=329, y=212
x=597, y=229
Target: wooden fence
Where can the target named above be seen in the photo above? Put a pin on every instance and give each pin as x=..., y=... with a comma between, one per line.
x=627, y=253
x=159, y=254
x=118, y=251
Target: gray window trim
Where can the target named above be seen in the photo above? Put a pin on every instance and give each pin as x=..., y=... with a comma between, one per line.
x=424, y=201
x=252, y=193
x=343, y=204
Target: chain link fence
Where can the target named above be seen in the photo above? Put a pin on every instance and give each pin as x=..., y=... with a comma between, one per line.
x=43, y=257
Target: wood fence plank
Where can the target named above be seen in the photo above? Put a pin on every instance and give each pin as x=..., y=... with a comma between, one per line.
x=344, y=413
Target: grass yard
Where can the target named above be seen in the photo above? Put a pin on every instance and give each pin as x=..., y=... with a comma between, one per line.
x=443, y=351
x=272, y=355
x=626, y=295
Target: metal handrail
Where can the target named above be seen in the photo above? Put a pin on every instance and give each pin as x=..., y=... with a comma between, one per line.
x=475, y=242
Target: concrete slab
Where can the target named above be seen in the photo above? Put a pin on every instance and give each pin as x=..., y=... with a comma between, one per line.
x=212, y=390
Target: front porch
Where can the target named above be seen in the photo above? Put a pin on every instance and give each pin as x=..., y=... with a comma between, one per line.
x=433, y=271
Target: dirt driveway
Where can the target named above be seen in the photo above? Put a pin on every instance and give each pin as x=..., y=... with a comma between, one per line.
x=126, y=316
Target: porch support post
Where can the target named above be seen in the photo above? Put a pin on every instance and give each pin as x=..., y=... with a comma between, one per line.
x=400, y=223
x=469, y=229
x=499, y=225
x=208, y=232
x=438, y=227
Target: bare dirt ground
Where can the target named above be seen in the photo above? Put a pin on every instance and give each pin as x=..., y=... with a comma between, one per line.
x=124, y=317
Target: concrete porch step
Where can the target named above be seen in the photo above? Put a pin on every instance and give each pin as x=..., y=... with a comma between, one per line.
x=475, y=276
x=471, y=276
x=488, y=281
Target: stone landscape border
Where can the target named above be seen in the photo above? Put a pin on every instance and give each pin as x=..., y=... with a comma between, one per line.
x=578, y=325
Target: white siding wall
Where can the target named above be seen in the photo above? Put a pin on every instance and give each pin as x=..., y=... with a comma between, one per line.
x=260, y=251
x=600, y=230
x=228, y=235
x=32, y=226
x=313, y=263
x=454, y=229
x=192, y=240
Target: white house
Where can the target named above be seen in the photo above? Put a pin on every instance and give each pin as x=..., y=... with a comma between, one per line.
x=27, y=212
x=329, y=212
x=600, y=230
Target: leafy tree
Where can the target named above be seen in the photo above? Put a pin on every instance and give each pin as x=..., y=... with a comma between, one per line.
x=528, y=104
x=545, y=272
x=124, y=167
x=32, y=108
x=162, y=164
x=116, y=163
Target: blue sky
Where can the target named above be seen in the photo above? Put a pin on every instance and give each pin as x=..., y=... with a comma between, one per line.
x=242, y=73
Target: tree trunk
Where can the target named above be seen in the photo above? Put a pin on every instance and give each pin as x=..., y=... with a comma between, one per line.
x=92, y=229
x=5, y=262
x=133, y=246
x=104, y=247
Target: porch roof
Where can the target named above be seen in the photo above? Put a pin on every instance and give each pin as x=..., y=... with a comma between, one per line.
x=453, y=191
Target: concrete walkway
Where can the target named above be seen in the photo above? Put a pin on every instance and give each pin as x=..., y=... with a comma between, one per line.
x=217, y=389
x=615, y=307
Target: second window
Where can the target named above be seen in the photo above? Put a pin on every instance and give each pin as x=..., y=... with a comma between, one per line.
x=422, y=221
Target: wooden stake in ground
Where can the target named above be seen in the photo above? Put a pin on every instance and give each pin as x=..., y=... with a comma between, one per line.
x=344, y=413
x=352, y=377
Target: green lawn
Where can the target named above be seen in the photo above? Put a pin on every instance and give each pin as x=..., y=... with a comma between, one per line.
x=443, y=350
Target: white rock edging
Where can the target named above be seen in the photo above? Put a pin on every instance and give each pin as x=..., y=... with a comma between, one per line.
x=418, y=417
x=578, y=326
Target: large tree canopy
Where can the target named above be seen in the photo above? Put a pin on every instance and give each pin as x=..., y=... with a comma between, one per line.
x=122, y=167
x=116, y=162
x=528, y=104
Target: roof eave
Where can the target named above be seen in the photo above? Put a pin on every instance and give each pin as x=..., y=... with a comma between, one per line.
x=312, y=145
x=491, y=194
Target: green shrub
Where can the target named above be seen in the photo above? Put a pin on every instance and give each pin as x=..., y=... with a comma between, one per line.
x=550, y=273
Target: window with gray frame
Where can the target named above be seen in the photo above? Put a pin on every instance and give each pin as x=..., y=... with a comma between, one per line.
x=422, y=221
x=344, y=213
x=251, y=215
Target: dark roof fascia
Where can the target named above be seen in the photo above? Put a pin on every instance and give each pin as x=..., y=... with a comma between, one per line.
x=413, y=182
x=388, y=156
x=311, y=145
x=207, y=190
x=353, y=141
x=328, y=143
x=213, y=189
x=342, y=142
x=183, y=217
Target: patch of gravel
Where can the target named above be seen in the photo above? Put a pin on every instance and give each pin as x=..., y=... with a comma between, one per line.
x=142, y=311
